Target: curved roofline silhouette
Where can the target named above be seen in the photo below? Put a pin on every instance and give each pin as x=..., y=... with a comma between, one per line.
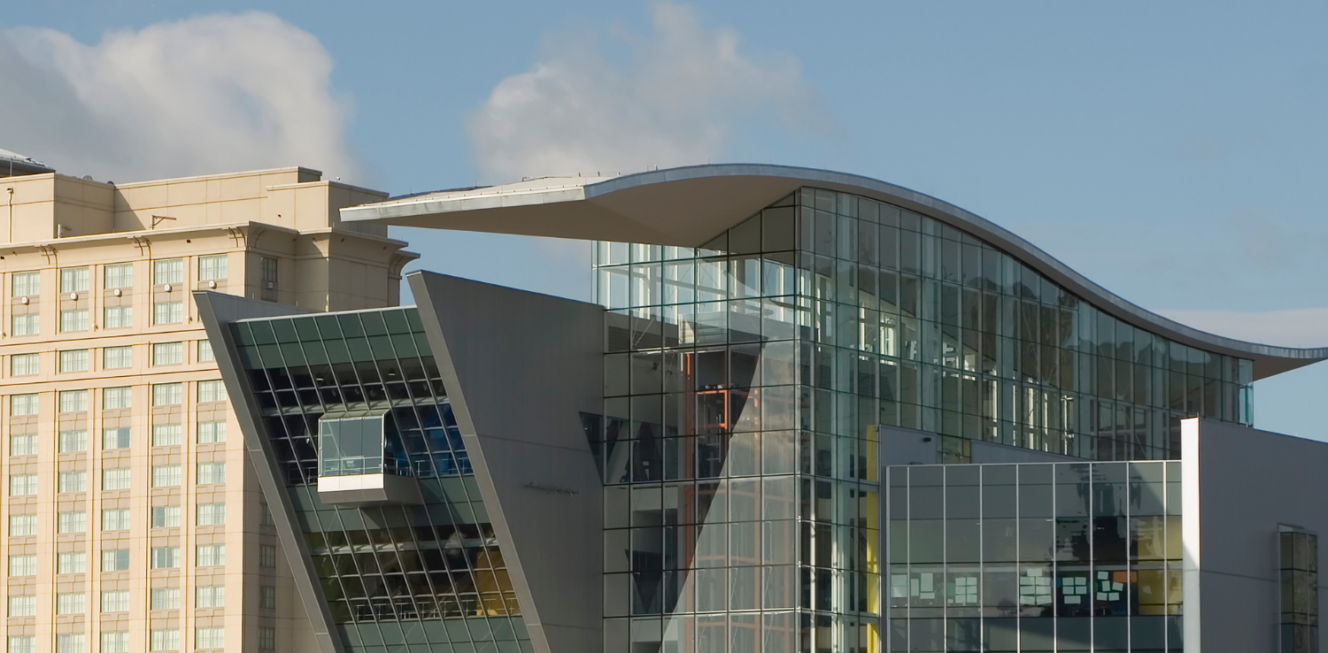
x=688, y=206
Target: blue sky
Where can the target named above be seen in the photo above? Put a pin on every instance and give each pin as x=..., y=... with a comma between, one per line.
x=1172, y=152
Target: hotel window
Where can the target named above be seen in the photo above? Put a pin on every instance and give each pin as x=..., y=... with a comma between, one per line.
x=71, y=563
x=119, y=317
x=73, y=401
x=118, y=275
x=22, y=644
x=211, y=514
x=115, y=560
x=24, y=364
x=115, y=479
x=205, y=354
x=116, y=438
x=210, y=596
x=265, y=515
x=75, y=319
x=20, y=525
x=211, y=391
x=165, y=435
x=267, y=556
x=167, y=394
x=73, y=360
x=168, y=353
x=165, y=557
x=210, y=555
x=119, y=397
x=267, y=638
x=205, y=638
x=167, y=312
x=209, y=473
x=268, y=279
x=26, y=284
x=164, y=640
x=209, y=432
x=22, y=485
x=267, y=597
x=166, y=598
x=20, y=405
x=117, y=358
x=115, y=642
x=168, y=271
x=69, y=643
x=115, y=519
x=115, y=601
x=212, y=268
x=23, y=605
x=70, y=603
x=73, y=481
x=269, y=273
x=71, y=441
x=74, y=280
x=165, y=475
x=23, y=445
x=27, y=324
x=75, y=521
x=1299, y=551
x=23, y=565
x=165, y=516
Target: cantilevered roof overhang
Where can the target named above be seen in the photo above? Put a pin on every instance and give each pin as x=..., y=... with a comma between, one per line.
x=691, y=205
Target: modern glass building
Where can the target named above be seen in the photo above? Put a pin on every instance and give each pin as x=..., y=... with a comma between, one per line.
x=808, y=412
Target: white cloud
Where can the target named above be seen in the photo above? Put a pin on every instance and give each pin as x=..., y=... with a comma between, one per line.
x=209, y=94
x=672, y=100
x=1306, y=327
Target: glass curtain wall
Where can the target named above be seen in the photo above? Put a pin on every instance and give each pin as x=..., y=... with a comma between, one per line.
x=430, y=575
x=744, y=381
x=1035, y=557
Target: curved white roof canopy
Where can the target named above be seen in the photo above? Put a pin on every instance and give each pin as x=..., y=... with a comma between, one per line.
x=689, y=206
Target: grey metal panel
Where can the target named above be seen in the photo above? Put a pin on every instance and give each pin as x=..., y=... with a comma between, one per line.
x=690, y=205
x=216, y=311
x=519, y=369
x=1239, y=485
x=903, y=446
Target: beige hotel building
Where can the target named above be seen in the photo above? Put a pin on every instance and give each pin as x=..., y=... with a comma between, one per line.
x=132, y=518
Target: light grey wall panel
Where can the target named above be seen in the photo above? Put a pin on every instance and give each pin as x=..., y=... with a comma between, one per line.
x=520, y=368
x=1239, y=485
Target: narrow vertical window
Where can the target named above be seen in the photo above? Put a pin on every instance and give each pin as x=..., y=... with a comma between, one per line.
x=268, y=279
x=1300, y=590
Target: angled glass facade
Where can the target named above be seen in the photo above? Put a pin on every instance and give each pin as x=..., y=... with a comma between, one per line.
x=395, y=576
x=1035, y=557
x=745, y=381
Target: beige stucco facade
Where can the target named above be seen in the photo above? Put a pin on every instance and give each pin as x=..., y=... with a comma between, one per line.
x=108, y=270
